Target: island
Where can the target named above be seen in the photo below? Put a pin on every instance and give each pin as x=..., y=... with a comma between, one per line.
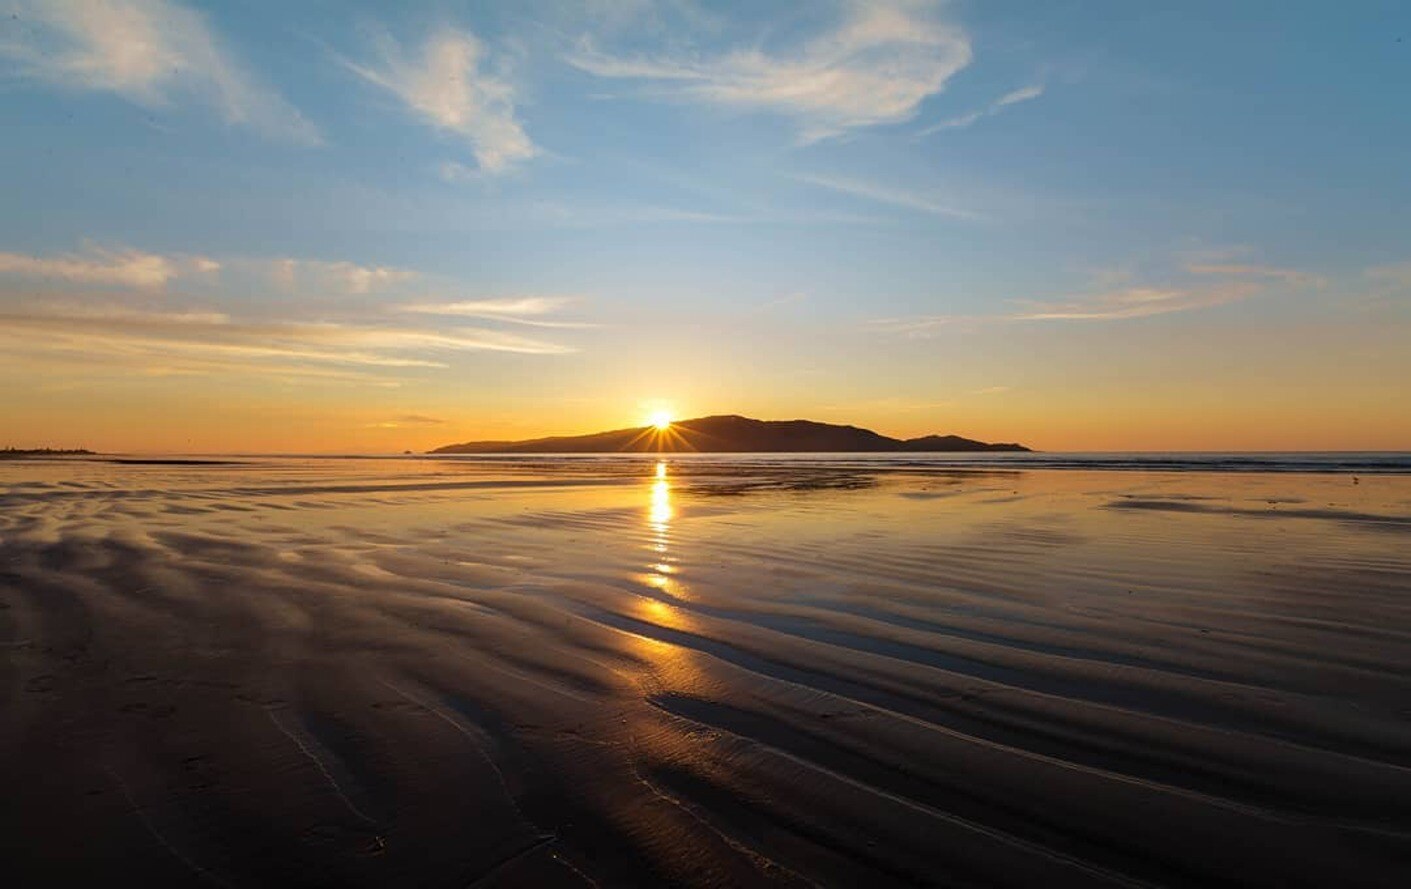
x=731, y=434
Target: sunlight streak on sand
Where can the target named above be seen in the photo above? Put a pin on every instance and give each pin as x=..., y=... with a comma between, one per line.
x=907, y=671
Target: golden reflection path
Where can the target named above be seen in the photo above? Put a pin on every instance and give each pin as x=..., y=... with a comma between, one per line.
x=660, y=513
x=662, y=570
x=671, y=666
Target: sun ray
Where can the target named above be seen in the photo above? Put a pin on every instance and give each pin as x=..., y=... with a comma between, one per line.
x=655, y=438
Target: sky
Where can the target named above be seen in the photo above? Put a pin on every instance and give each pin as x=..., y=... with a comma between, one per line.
x=360, y=227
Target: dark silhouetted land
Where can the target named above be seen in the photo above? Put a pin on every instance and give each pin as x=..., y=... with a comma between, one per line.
x=17, y=453
x=731, y=434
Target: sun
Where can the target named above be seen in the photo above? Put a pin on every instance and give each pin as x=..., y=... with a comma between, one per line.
x=660, y=419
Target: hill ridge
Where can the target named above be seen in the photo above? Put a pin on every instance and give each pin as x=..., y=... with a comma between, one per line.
x=732, y=433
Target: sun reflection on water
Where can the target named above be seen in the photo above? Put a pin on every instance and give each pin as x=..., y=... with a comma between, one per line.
x=670, y=665
x=660, y=514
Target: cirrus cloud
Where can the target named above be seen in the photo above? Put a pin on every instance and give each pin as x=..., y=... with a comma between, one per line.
x=1198, y=286
x=107, y=267
x=875, y=67
x=526, y=310
x=147, y=51
x=449, y=88
x=85, y=334
x=910, y=199
x=1013, y=97
x=339, y=276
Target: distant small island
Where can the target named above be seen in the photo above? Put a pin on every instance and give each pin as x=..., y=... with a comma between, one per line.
x=18, y=453
x=731, y=434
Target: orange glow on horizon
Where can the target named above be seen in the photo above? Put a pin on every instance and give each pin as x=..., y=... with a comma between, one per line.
x=145, y=416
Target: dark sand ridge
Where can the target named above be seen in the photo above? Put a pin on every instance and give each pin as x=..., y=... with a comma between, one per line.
x=372, y=673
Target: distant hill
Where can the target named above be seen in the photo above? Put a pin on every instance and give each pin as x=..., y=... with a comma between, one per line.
x=730, y=434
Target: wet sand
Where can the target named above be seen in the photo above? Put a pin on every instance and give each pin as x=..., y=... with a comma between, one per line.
x=424, y=672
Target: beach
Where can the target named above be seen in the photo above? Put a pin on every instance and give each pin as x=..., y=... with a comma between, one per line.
x=697, y=671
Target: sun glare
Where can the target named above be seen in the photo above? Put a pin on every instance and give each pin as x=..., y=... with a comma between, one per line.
x=660, y=419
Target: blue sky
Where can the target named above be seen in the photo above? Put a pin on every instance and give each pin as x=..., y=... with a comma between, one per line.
x=507, y=218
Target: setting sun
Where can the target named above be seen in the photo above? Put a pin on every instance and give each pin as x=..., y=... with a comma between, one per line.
x=660, y=419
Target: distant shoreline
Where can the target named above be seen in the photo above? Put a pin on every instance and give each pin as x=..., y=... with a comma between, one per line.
x=19, y=453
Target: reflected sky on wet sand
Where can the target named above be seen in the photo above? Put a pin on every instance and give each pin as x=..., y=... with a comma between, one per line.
x=703, y=672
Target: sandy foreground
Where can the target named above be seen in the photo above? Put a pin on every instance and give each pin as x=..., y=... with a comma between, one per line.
x=442, y=673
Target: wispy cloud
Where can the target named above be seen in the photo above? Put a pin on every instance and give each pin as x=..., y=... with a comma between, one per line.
x=107, y=267
x=149, y=52
x=897, y=197
x=198, y=341
x=128, y=267
x=1137, y=302
x=496, y=308
x=921, y=326
x=874, y=67
x=243, y=321
x=779, y=302
x=1200, y=287
x=450, y=88
x=1023, y=94
x=341, y=276
x=527, y=310
x=1014, y=97
x=1293, y=277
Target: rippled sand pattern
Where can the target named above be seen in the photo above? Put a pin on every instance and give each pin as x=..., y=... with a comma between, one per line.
x=364, y=672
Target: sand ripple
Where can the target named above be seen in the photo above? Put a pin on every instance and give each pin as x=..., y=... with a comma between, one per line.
x=705, y=673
